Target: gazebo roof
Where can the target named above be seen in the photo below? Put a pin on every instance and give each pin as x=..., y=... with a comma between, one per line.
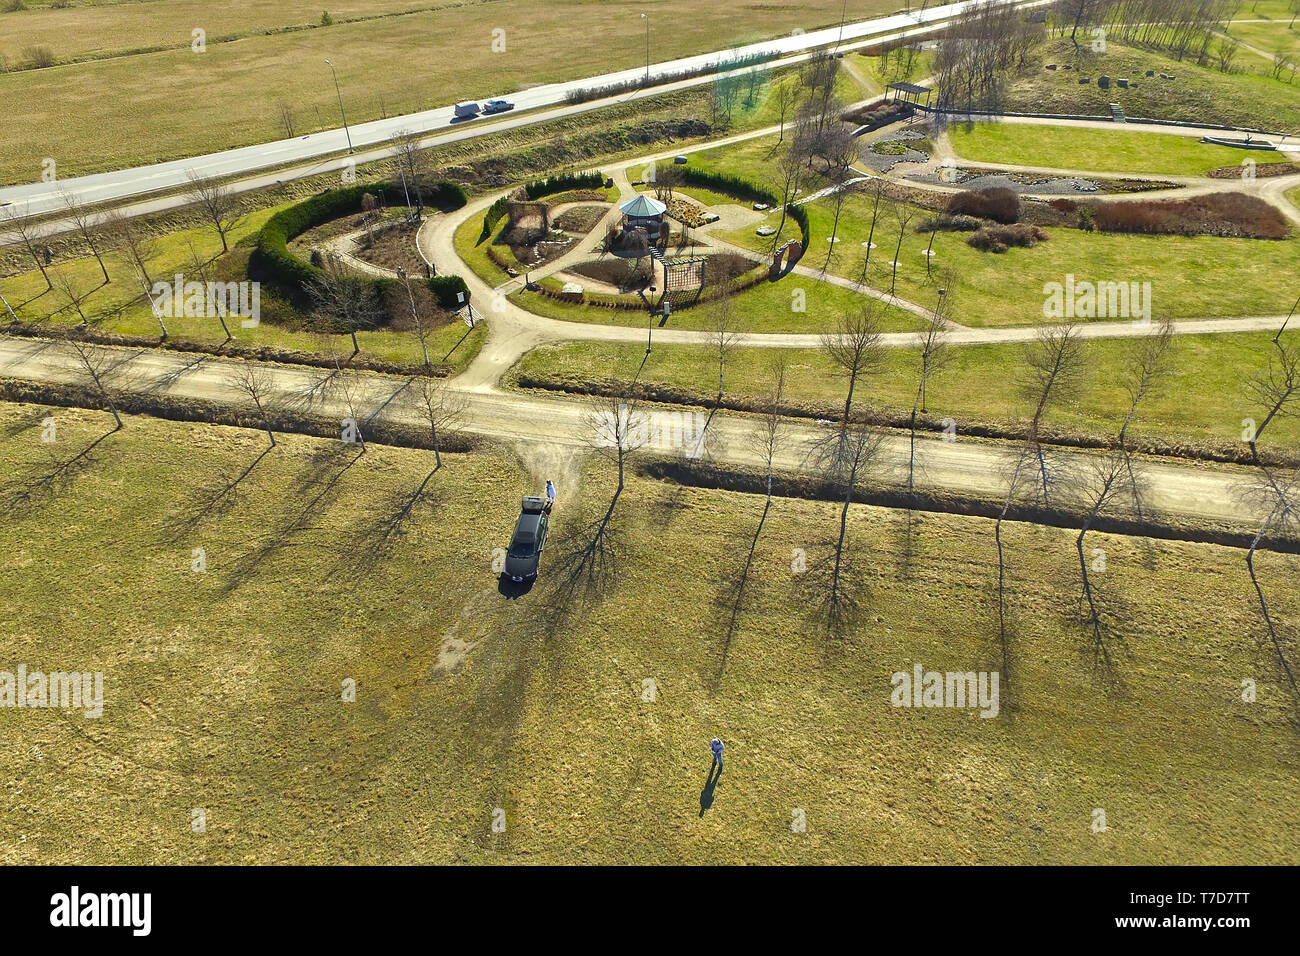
x=642, y=207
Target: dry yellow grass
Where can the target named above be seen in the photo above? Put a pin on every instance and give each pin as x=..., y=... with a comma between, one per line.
x=173, y=102
x=223, y=688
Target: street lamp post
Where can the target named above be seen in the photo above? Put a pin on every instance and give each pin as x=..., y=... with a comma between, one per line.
x=347, y=132
x=646, y=18
x=650, y=322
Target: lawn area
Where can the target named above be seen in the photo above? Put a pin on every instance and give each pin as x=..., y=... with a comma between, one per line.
x=1008, y=289
x=1272, y=38
x=223, y=689
x=120, y=306
x=1096, y=150
x=1198, y=94
x=766, y=307
x=1204, y=398
x=260, y=53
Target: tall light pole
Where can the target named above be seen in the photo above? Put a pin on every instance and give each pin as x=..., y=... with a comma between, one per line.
x=844, y=12
x=646, y=18
x=342, y=112
x=650, y=321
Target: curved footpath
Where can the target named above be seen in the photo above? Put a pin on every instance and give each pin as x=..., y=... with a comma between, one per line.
x=513, y=331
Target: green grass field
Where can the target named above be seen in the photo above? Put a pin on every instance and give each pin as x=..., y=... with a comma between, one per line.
x=120, y=306
x=1008, y=289
x=1271, y=38
x=259, y=54
x=1199, y=94
x=223, y=689
x=792, y=304
x=1203, y=399
x=1096, y=150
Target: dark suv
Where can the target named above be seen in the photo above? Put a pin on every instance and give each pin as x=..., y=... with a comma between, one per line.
x=529, y=539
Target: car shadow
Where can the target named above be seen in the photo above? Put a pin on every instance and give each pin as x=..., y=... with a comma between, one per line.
x=513, y=589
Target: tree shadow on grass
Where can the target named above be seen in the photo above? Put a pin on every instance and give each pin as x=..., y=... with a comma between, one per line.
x=584, y=566
x=322, y=477
x=210, y=500
x=386, y=524
x=50, y=480
x=732, y=597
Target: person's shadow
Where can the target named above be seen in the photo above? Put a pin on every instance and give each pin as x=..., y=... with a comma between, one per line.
x=706, y=795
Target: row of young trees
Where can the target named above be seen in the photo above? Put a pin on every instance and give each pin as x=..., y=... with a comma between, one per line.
x=102, y=232
x=977, y=52
x=1039, y=477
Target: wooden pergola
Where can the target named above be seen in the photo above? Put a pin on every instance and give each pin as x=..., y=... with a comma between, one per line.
x=909, y=92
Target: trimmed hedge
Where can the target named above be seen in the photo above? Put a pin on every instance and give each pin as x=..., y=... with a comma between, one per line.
x=744, y=189
x=271, y=257
x=561, y=183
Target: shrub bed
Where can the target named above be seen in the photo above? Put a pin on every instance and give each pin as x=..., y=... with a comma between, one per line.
x=561, y=183
x=272, y=260
x=741, y=188
x=1000, y=238
x=999, y=204
x=1228, y=215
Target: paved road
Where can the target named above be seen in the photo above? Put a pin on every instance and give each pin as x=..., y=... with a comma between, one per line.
x=371, y=139
x=968, y=466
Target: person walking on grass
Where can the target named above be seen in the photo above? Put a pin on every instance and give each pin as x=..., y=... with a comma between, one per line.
x=550, y=494
x=716, y=746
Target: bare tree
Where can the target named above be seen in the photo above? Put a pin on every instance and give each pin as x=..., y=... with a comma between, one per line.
x=201, y=270
x=347, y=298
x=903, y=216
x=934, y=353
x=722, y=337
x=877, y=191
x=412, y=163
x=86, y=223
x=442, y=409
x=1147, y=371
x=140, y=249
x=30, y=235
x=791, y=166
x=99, y=366
x=1053, y=369
x=842, y=194
x=585, y=568
x=218, y=204
x=784, y=97
x=254, y=382
x=1054, y=366
x=855, y=351
x=1276, y=388
x=66, y=285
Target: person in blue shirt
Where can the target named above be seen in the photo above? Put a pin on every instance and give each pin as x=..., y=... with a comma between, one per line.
x=550, y=494
x=716, y=746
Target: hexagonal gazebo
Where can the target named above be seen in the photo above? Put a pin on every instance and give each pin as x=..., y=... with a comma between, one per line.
x=645, y=212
